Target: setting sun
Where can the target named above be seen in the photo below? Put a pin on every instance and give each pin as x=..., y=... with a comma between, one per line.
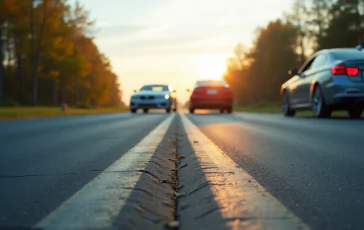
x=211, y=66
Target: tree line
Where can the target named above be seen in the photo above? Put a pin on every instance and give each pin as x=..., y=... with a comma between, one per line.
x=48, y=56
x=256, y=74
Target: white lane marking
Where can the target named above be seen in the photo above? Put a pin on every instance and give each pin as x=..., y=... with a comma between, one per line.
x=98, y=203
x=242, y=200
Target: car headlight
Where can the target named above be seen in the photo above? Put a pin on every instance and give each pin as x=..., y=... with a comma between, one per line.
x=166, y=96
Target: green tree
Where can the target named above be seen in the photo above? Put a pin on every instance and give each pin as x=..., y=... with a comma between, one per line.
x=319, y=16
x=7, y=12
x=345, y=28
x=299, y=18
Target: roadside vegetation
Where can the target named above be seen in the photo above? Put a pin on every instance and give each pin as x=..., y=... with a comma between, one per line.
x=48, y=57
x=10, y=113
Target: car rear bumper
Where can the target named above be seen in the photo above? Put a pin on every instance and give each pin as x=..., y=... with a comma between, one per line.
x=211, y=104
x=346, y=102
x=343, y=92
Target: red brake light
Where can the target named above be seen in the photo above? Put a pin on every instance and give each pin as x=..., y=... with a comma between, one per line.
x=352, y=71
x=343, y=70
x=196, y=92
x=338, y=70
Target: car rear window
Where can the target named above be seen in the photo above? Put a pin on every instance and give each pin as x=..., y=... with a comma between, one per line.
x=211, y=82
x=347, y=54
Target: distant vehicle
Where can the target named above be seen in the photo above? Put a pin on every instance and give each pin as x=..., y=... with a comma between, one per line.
x=331, y=79
x=154, y=97
x=211, y=94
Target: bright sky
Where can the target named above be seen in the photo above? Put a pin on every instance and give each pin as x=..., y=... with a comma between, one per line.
x=176, y=42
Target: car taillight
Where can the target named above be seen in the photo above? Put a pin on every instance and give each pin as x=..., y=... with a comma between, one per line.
x=352, y=71
x=196, y=92
x=343, y=70
x=338, y=70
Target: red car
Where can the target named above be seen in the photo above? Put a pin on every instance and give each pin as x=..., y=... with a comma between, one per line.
x=211, y=94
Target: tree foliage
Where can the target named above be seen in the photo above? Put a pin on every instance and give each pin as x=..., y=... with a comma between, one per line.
x=256, y=74
x=48, y=56
x=260, y=73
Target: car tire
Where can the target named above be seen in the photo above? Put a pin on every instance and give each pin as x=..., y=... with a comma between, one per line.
x=355, y=112
x=145, y=110
x=168, y=110
x=133, y=110
x=175, y=110
x=222, y=110
x=286, y=107
x=192, y=110
x=229, y=110
x=319, y=107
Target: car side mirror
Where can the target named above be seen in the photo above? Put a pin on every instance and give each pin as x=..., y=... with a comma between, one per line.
x=293, y=72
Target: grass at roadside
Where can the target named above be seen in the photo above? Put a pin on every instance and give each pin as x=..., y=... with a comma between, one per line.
x=275, y=107
x=8, y=113
x=266, y=107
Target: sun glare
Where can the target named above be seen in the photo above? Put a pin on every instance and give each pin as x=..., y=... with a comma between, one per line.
x=212, y=66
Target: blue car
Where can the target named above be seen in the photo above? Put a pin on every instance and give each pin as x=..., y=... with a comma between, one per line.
x=331, y=79
x=154, y=97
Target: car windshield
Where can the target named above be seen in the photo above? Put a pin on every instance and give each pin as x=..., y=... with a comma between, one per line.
x=154, y=88
x=347, y=54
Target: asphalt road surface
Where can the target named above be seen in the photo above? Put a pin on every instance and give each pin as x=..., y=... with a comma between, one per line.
x=45, y=161
x=315, y=167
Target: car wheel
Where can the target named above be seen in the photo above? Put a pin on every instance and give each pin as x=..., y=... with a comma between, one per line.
x=229, y=110
x=286, y=107
x=222, y=110
x=319, y=107
x=168, y=110
x=355, y=112
x=133, y=110
x=145, y=110
x=192, y=110
x=175, y=110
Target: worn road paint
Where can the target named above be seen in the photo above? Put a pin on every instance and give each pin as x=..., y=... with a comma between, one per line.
x=243, y=202
x=98, y=203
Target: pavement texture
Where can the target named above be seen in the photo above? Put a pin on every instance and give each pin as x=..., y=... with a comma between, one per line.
x=45, y=161
x=176, y=171
x=151, y=204
x=197, y=209
x=228, y=197
x=313, y=166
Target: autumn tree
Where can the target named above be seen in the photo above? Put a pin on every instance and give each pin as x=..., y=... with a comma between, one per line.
x=263, y=69
x=48, y=56
x=237, y=75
